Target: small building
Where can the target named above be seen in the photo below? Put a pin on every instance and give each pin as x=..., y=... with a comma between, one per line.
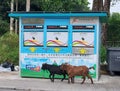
x=58, y=37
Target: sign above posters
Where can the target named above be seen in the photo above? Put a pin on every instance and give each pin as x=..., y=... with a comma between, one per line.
x=57, y=27
x=82, y=27
x=33, y=27
x=32, y=21
x=84, y=20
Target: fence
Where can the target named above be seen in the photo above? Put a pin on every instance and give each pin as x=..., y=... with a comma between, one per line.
x=113, y=43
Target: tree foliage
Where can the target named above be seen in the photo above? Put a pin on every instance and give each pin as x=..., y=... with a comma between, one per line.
x=55, y=5
x=4, y=7
x=4, y=26
x=64, y=5
x=4, y=19
x=113, y=32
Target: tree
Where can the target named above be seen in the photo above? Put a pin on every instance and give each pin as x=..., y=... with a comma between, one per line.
x=11, y=19
x=4, y=26
x=64, y=5
x=27, y=5
x=113, y=32
x=98, y=5
x=16, y=21
x=4, y=19
x=4, y=7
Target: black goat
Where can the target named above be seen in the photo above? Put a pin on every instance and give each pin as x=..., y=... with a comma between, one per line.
x=53, y=69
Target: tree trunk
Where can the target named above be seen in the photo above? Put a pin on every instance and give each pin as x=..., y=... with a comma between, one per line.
x=104, y=33
x=16, y=21
x=11, y=19
x=27, y=5
x=100, y=5
x=105, y=25
x=107, y=6
x=97, y=5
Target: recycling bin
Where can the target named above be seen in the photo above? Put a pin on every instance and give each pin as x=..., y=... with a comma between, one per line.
x=113, y=59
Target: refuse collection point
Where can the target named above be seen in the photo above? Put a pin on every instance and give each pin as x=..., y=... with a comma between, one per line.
x=58, y=37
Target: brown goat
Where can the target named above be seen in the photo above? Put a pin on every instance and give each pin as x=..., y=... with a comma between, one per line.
x=76, y=71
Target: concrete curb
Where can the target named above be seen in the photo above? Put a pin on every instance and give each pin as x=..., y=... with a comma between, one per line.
x=10, y=88
x=20, y=89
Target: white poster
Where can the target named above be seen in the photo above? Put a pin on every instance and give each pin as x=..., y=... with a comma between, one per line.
x=33, y=38
x=57, y=38
x=84, y=39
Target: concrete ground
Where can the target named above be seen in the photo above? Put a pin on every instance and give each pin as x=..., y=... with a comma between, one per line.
x=11, y=81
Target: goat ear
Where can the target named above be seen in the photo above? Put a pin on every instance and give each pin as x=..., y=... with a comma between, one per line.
x=44, y=63
x=66, y=63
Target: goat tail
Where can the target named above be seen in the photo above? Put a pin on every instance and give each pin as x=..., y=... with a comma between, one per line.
x=91, y=68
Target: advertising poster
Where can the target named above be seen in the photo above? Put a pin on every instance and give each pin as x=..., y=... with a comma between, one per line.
x=83, y=39
x=33, y=38
x=83, y=43
x=57, y=39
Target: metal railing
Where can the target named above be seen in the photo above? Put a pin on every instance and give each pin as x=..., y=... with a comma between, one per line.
x=113, y=43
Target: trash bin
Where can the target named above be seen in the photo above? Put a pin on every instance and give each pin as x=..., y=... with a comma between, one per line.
x=113, y=59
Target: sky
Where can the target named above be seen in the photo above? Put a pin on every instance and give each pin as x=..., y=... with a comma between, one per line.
x=114, y=8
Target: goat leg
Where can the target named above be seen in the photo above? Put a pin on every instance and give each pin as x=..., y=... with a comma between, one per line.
x=83, y=79
x=72, y=79
x=63, y=77
x=68, y=79
x=50, y=77
x=89, y=77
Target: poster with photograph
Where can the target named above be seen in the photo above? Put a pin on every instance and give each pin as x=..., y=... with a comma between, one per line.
x=33, y=38
x=57, y=39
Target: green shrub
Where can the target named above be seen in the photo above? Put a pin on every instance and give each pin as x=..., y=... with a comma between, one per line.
x=103, y=54
x=9, y=48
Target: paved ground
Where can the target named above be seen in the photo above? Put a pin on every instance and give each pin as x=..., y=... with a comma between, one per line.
x=10, y=81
